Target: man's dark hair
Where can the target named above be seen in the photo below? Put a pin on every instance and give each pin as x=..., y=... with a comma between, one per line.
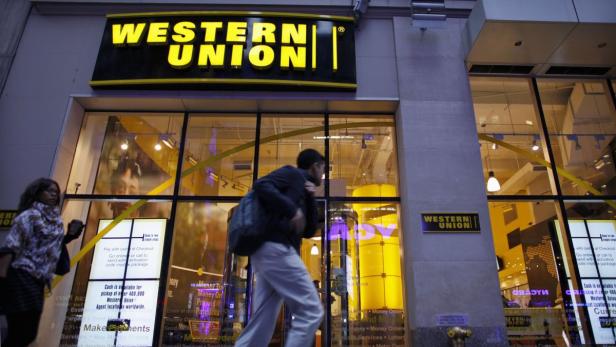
x=33, y=191
x=307, y=157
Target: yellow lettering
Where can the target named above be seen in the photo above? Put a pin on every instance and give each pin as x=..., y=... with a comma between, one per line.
x=237, y=53
x=184, y=32
x=210, y=30
x=177, y=60
x=127, y=33
x=262, y=31
x=293, y=32
x=236, y=32
x=314, y=46
x=261, y=56
x=210, y=56
x=295, y=56
x=158, y=33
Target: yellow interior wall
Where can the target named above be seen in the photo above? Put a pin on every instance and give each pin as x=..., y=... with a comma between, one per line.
x=380, y=281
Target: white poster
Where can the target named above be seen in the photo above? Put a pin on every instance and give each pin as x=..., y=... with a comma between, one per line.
x=121, y=300
x=597, y=312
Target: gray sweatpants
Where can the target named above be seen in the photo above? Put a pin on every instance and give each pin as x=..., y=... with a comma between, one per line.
x=281, y=276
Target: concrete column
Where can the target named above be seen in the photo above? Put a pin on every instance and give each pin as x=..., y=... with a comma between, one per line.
x=13, y=16
x=440, y=171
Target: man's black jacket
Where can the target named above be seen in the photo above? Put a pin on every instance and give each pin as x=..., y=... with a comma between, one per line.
x=282, y=192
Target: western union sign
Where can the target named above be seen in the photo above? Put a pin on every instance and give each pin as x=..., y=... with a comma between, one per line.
x=450, y=222
x=217, y=49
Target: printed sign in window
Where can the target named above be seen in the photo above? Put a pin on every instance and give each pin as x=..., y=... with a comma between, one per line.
x=121, y=300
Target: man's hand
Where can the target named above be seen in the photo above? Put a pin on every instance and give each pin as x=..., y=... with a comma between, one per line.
x=298, y=222
x=311, y=188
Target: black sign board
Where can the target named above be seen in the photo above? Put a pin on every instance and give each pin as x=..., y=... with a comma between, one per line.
x=225, y=49
x=6, y=218
x=450, y=222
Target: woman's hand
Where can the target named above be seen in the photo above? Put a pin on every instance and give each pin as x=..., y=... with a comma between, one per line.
x=75, y=227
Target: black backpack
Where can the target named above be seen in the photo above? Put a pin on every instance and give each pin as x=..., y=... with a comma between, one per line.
x=246, y=231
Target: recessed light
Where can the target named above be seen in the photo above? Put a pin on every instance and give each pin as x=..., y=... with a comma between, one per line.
x=124, y=146
x=517, y=43
x=528, y=122
x=158, y=147
x=604, y=186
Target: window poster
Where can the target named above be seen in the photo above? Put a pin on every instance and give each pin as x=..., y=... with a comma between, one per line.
x=594, y=244
x=121, y=298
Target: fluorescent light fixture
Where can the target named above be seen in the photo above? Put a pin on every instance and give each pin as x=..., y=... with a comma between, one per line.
x=168, y=141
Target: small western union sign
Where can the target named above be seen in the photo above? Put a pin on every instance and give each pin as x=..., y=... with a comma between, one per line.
x=202, y=49
x=450, y=222
x=6, y=218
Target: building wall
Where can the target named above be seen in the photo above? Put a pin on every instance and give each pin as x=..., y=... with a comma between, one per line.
x=441, y=170
x=440, y=166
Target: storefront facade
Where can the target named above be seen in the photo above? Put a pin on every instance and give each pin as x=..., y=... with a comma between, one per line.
x=157, y=118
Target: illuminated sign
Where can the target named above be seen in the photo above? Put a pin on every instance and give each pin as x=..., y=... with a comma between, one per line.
x=450, y=222
x=216, y=49
x=6, y=218
x=122, y=295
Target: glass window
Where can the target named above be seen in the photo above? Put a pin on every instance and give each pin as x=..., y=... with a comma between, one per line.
x=126, y=154
x=218, y=155
x=366, y=278
x=532, y=277
x=363, y=158
x=206, y=291
x=582, y=126
x=509, y=135
x=282, y=137
x=593, y=237
x=117, y=283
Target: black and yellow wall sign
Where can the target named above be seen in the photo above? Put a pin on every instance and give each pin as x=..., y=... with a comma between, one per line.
x=6, y=218
x=216, y=49
x=450, y=223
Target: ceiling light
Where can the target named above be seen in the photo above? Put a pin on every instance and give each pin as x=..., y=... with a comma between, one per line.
x=492, y=185
x=494, y=146
x=604, y=186
x=314, y=250
x=168, y=141
x=158, y=147
x=529, y=122
x=535, y=146
x=124, y=146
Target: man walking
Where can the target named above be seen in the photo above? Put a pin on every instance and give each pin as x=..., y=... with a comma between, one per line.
x=287, y=194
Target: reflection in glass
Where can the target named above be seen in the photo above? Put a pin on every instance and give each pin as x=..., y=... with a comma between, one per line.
x=531, y=275
x=504, y=111
x=582, y=127
x=208, y=137
x=125, y=154
x=366, y=277
x=362, y=156
x=207, y=285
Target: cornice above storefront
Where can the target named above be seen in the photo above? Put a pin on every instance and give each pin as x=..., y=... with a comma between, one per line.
x=573, y=35
x=377, y=9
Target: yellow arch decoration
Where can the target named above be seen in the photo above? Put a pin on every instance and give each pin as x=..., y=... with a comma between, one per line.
x=168, y=183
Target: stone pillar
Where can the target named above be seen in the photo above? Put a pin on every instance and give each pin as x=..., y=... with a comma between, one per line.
x=441, y=171
x=13, y=16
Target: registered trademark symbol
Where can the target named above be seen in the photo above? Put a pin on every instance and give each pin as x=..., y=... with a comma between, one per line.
x=341, y=29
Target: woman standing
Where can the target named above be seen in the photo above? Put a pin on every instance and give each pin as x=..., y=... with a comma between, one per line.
x=35, y=242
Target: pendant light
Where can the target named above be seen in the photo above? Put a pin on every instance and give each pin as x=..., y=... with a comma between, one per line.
x=314, y=250
x=492, y=185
